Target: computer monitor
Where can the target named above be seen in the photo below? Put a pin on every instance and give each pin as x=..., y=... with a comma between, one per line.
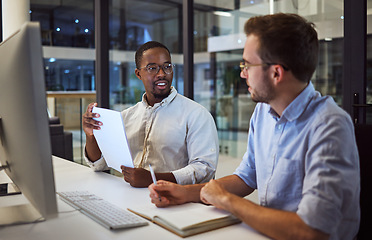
x=25, y=148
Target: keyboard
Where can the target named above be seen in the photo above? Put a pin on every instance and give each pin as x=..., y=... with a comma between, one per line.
x=100, y=210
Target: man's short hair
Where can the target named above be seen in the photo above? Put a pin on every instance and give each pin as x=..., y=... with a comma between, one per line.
x=286, y=39
x=147, y=46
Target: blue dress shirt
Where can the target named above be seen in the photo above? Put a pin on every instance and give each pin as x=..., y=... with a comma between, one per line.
x=306, y=161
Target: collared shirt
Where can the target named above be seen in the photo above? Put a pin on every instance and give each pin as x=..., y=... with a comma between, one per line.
x=176, y=135
x=306, y=161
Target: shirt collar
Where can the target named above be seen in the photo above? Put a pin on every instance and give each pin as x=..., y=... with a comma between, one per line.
x=165, y=101
x=299, y=104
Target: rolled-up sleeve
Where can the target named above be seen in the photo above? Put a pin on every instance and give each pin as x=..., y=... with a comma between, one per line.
x=202, y=148
x=199, y=171
x=97, y=166
x=328, y=191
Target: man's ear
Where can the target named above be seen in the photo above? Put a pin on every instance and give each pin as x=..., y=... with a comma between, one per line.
x=278, y=73
x=138, y=73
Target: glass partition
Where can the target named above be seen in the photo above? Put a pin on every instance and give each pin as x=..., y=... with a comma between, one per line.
x=218, y=47
x=132, y=23
x=218, y=85
x=67, y=31
x=69, y=107
x=65, y=23
x=70, y=88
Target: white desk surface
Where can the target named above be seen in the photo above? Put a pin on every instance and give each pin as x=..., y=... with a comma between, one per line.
x=72, y=224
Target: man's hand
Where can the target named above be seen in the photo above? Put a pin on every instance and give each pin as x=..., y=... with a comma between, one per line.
x=137, y=177
x=93, y=152
x=88, y=122
x=214, y=193
x=167, y=193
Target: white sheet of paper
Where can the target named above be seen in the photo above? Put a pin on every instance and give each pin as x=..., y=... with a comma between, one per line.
x=112, y=140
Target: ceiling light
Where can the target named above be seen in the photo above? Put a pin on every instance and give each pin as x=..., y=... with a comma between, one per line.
x=223, y=14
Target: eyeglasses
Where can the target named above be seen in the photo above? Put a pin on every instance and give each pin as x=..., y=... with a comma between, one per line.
x=154, y=68
x=244, y=65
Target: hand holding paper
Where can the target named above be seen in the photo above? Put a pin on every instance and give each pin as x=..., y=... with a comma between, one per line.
x=112, y=140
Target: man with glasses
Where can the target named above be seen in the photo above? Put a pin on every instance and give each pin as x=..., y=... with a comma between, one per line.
x=174, y=134
x=301, y=155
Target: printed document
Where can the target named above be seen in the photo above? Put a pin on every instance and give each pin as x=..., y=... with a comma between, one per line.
x=112, y=140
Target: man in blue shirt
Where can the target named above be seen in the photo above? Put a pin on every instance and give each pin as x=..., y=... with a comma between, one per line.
x=301, y=155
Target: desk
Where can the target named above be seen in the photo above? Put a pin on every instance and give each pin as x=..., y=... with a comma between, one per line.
x=73, y=225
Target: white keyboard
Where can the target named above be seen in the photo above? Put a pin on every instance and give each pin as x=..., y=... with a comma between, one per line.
x=103, y=212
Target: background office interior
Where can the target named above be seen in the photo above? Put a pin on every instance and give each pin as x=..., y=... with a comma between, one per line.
x=68, y=35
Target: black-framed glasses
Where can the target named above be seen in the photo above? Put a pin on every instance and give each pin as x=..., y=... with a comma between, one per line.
x=154, y=68
x=244, y=65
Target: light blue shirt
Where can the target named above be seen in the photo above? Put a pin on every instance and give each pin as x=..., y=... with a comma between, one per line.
x=306, y=161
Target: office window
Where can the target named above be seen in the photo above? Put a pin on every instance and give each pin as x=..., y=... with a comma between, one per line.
x=218, y=46
x=65, y=23
x=69, y=75
x=222, y=90
x=132, y=23
x=67, y=31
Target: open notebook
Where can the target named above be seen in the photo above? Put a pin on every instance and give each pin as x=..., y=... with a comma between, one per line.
x=112, y=140
x=186, y=219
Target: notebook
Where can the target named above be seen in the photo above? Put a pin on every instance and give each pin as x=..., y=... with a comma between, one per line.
x=186, y=219
x=112, y=140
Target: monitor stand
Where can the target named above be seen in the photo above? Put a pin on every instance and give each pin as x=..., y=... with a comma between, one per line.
x=7, y=189
x=19, y=214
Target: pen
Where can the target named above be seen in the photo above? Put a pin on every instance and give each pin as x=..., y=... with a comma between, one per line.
x=153, y=178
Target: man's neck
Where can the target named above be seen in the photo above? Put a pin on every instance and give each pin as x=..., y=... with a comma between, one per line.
x=154, y=100
x=286, y=96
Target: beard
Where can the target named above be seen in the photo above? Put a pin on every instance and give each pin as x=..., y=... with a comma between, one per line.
x=266, y=92
x=161, y=94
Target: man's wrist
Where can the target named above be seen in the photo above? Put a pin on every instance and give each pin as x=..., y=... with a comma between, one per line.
x=192, y=192
x=90, y=138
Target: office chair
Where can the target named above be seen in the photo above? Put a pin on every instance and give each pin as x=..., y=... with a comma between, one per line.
x=61, y=141
x=363, y=134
